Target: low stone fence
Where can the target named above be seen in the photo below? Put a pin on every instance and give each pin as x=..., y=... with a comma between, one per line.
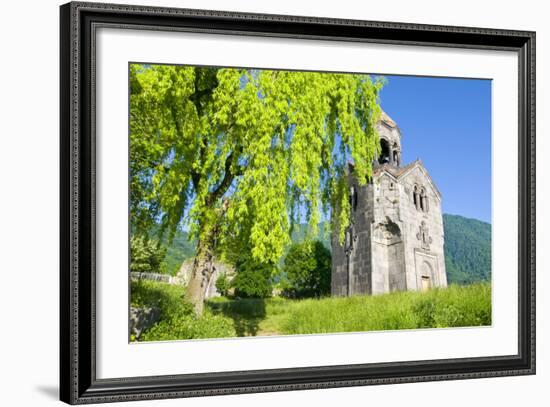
x=184, y=274
x=163, y=278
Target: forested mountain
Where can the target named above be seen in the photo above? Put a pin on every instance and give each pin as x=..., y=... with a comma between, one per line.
x=467, y=248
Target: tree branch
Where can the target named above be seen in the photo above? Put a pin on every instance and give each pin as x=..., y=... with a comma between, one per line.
x=223, y=186
x=195, y=179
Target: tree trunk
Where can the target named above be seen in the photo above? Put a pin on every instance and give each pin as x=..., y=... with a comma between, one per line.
x=200, y=275
x=203, y=265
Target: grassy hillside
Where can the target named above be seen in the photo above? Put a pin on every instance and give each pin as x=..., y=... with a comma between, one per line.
x=467, y=249
x=455, y=306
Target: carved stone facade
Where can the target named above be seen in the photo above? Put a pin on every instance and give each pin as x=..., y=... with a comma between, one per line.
x=395, y=241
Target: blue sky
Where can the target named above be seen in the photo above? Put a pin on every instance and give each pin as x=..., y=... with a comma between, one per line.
x=447, y=124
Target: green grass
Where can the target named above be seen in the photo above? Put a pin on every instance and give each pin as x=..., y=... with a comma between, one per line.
x=455, y=306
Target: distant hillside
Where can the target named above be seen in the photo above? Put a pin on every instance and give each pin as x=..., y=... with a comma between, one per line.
x=467, y=248
x=299, y=233
x=180, y=250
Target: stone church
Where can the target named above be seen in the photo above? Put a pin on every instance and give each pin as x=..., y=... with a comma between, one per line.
x=395, y=240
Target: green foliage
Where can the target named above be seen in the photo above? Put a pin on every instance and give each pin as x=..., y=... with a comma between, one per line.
x=190, y=327
x=183, y=246
x=467, y=249
x=253, y=279
x=233, y=152
x=178, y=320
x=146, y=255
x=223, y=284
x=307, y=268
x=166, y=297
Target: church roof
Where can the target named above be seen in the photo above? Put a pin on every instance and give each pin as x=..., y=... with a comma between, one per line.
x=389, y=124
x=395, y=171
x=387, y=120
x=399, y=172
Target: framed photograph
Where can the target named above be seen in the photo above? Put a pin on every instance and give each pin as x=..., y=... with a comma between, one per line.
x=255, y=203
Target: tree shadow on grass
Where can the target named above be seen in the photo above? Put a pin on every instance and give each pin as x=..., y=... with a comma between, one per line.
x=246, y=313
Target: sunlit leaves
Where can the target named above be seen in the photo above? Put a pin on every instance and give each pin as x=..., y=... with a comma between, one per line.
x=241, y=154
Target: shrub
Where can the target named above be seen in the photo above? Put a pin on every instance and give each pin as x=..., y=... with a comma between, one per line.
x=190, y=327
x=177, y=320
x=307, y=268
x=223, y=284
x=253, y=279
x=146, y=255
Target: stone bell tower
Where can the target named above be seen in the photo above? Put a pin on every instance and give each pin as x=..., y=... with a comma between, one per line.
x=395, y=240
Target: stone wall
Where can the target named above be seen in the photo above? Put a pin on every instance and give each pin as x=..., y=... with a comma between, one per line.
x=357, y=243
x=142, y=319
x=424, y=231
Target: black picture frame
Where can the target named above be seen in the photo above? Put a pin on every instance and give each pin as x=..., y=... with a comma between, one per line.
x=78, y=382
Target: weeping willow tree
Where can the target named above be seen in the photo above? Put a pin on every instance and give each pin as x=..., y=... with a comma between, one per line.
x=240, y=155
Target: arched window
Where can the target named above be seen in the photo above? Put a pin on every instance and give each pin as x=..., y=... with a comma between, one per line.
x=423, y=200
x=353, y=198
x=385, y=152
x=395, y=154
x=415, y=196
